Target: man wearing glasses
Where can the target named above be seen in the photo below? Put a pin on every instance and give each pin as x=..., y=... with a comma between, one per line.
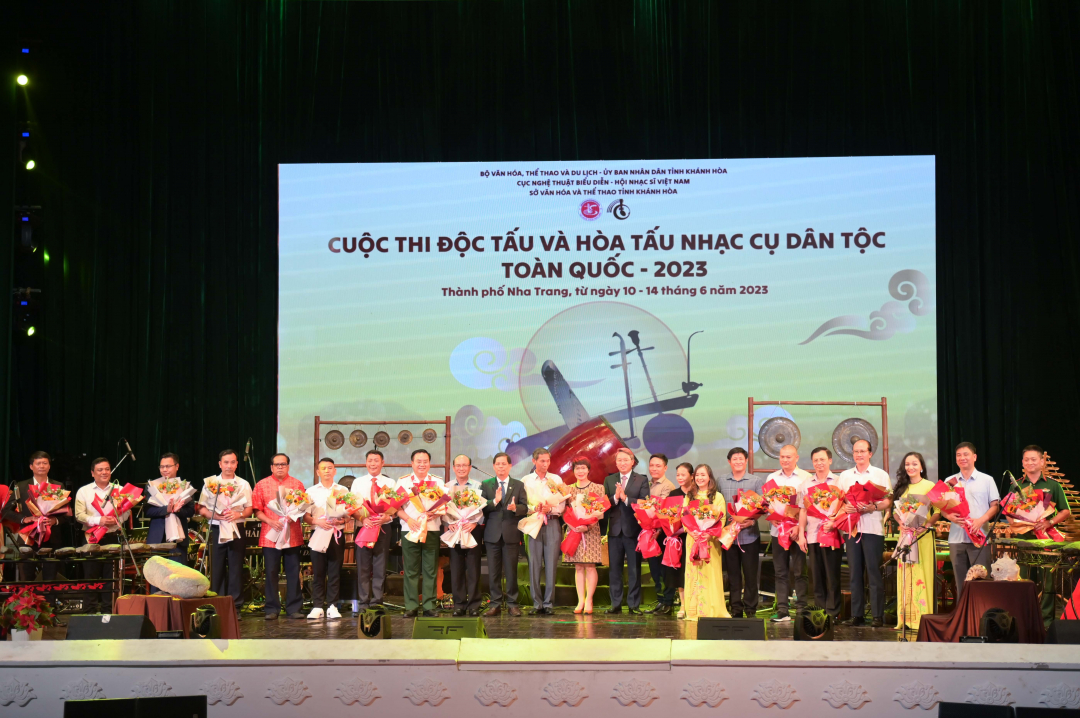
x=265, y=492
x=169, y=466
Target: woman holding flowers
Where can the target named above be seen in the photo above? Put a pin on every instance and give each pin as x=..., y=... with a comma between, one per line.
x=704, y=592
x=587, y=555
x=916, y=580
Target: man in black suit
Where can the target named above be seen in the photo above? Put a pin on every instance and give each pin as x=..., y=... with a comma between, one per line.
x=507, y=504
x=624, y=489
x=18, y=512
x=169, y=466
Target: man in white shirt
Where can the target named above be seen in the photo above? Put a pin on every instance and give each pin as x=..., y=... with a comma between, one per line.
x=227, y=559
x=983, y=501
x=544, y=550
x=825, y=562
x=420, y=557
x=371, y=562
x=100, y=488
x=788, y=563
x=465, y=562
x=864, y=551
x=325, y=565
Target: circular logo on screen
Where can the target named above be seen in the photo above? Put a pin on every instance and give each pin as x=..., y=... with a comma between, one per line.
x=590, y=209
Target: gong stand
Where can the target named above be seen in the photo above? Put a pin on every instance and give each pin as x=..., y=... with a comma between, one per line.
x=334, y=439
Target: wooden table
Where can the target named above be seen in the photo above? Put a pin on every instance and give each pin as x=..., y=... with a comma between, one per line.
x=1019, y=598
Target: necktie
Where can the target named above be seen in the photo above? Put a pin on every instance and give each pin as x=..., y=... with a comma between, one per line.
x=502, y=486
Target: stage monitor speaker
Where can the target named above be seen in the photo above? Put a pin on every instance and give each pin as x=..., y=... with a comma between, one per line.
x=373, y=623
x=731, y=629
x=1064, y=632
x=109, y=627
x=449, y=628
x=813, y=626
x=165, y=707
x=973, y=710
x=999, y=626
x=1040, y=712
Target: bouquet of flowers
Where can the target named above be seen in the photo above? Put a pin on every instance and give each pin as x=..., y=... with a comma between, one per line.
x=221, y=496
x=45, y=500
x=466, y=507
x=162, y=491
x=645, y=512
x=863, y=494
x=289, y=506
x=584, y=510
x=911, y=513
x=339, y=504
x=783, y=509
x=701, y=521
x=119, y=504
x=823, y=503
x=669, y=516
x=748, y=505
x=383, y=500
x=1027, y=508
x=550, y=493
x=427, y=501
x=950, y=498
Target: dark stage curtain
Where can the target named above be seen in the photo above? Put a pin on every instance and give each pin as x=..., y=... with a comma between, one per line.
x=163, y=124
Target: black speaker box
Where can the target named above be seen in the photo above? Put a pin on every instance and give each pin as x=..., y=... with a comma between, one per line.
x=1040, y=712
x=1064, y=631
x=449, y=628
x=731, y=629
x=811, y=627
x=109, y=626
x=973, y=710
x=168, y=707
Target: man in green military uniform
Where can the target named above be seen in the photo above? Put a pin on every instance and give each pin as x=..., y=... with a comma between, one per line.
x=1034, y=462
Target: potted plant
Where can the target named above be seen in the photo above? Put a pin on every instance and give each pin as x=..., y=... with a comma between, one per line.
x=24, y=614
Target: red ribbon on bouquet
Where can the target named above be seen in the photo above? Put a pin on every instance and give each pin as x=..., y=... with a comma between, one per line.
x=37, y=532
x=700, y=549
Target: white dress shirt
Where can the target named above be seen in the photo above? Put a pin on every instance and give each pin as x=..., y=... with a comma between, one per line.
x=472, y=484
x=813, y=523
x=86, y=514
x=869, y=523
x=362, y=485
x=533, y=480
x=243, y=491
x=795, y=479
x=980, y=490
x=319, y=495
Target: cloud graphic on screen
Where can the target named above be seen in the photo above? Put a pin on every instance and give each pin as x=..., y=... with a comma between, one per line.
x=482, y=363
x=911, y=287
x=481, y=437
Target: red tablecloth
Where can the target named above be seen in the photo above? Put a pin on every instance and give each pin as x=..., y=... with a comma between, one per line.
x=169, y=613
x=1019, y=598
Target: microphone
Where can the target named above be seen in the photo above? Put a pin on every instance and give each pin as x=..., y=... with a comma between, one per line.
x=130, y=452
x=477, y=468
x=247, y=449
x=1012, y=480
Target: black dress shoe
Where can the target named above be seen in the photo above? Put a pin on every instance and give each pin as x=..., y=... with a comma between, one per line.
x=430, y=614
x=536, y=611
x=458, y=612
x=297, y=615
x=736, y=614
x=614, y=609
x=664, y=610
x=515, y=611
x=411, y=613
x=855, y=622
x=271, y=617
x=877, y=623
x=634, y=611
x=474, y=612
x=493, y=610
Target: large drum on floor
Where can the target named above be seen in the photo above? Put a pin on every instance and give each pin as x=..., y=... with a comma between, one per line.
x=596, y=440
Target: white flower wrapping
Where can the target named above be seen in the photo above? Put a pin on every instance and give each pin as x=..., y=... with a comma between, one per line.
x=220, y=503
x=320, y=537
x=455, y=520
x=285, y=513
x=174, y=530
x=537, y=493
x=910, y=524
x=413, y=512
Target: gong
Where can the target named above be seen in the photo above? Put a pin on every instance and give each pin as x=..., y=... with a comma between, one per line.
x=776, y=433
x=381, y=439
x=430, y=435
x=405, y=436
x=357, y=439
x=847, y=432
x=334, y=439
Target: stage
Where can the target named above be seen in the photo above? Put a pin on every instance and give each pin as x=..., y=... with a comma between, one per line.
x=539, y=676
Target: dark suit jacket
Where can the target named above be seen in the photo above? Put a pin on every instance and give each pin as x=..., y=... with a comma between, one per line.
x=157, y=515
x=621, y=521
x=498, y=522
x=16, y=511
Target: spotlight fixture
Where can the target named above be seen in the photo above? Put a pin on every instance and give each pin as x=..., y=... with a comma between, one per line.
x=30, y=164
x=22, y=80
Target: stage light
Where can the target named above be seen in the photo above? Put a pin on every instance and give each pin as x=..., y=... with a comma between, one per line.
x=22, y=80
x=31, y=165
x=30, y=332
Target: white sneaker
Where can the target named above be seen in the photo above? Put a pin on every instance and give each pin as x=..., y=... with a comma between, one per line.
x=332, y=613
x=316, y=613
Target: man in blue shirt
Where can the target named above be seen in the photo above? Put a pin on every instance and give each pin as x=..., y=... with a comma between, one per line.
x=743, y=560
x=983, y=501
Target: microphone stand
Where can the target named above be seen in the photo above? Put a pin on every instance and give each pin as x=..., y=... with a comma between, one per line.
x=901, y=607
x=124, y=544
x=201, y=567
x=248, y=461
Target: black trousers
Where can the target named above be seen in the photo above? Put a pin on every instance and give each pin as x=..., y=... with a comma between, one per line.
x=789, y=566
x=743, y=564
x=663, y=579
x=49, y=569
x=825, y=567
x=619, y=548
x=864, y=552
x=502, y=561
x=226, y=567
x=274, y=560
x=326, y=573
x=102, y=569
x=371, y=570
x=465, y=577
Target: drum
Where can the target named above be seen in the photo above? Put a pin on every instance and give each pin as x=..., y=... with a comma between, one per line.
x=596, y=440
